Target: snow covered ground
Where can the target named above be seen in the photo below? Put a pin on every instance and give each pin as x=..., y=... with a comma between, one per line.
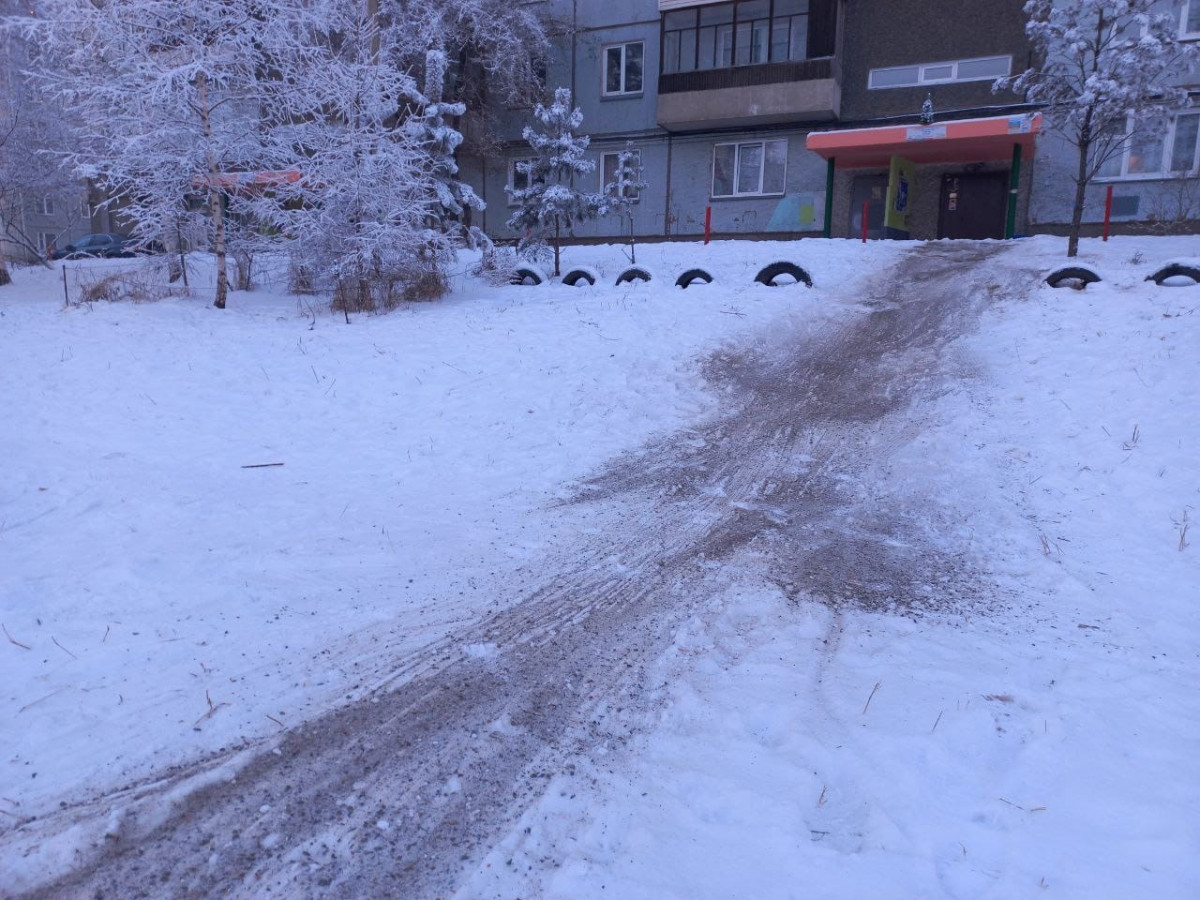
x=162, y=602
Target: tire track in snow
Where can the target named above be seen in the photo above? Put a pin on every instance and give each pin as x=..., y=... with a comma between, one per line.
x=394, y=794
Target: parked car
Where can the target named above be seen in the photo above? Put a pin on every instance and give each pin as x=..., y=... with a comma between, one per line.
x=96, y=245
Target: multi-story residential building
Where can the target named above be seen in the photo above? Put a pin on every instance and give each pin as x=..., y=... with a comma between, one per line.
x=792, y=117
x=740, y=106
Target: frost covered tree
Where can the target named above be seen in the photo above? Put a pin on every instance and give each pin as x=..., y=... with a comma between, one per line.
x=430, y=131
x=623, y=191
x=32, y=129
x=164, y=91
x=362, y=215
x=549, y=203
x=1108, y=71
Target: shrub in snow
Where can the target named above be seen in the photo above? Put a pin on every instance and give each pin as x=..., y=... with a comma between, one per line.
x=550, y=203
x=497, y=265
x=1106, y=79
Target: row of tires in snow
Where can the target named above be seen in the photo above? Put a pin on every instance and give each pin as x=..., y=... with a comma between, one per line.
x=768, y=275
x=1080, y=277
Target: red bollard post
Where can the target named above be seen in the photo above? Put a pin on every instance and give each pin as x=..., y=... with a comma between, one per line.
x=707, y=224
x=865, y=216
x=1107, y=211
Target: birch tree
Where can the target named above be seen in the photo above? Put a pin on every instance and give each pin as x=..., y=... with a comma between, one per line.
x=165, y=91
x=1108, y=73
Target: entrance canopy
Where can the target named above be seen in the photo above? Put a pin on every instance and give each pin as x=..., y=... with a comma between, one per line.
x=964, y=141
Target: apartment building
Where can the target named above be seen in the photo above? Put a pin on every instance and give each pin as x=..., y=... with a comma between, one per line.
x=790, y=118
x=785, y=116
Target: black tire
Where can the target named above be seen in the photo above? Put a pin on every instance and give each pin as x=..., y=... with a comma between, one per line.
x=1174, y=270
x=524, y=274
x=631, y=275
x=572, y=278
x=768, y=275
x=691, y=276
x=1072, y=273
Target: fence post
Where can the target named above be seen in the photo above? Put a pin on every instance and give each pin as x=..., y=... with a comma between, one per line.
x=707, y=224
x=66, y=296
x=866, y=214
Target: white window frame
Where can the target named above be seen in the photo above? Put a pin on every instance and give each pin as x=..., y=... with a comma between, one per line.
x=922, y=68
x=617, y=153
x=1168, y=150
x=512, y=175
x=46, y=206
x=46, y=240
x=624, y=45
x=1184, y=34
x=737, y=160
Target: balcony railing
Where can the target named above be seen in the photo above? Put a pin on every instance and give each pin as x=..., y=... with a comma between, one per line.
x=746, y=76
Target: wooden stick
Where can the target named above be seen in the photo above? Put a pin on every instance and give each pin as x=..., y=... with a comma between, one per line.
x=13, y=640
x=262, y=465
x=62, y=648
x=869, y=699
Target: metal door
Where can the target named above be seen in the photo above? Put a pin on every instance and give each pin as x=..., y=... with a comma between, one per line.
x=973, y=206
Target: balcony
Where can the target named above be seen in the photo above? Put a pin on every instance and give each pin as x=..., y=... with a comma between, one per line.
x=799, y=91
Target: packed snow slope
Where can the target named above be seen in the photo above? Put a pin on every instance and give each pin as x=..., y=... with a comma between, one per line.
x=958, y=660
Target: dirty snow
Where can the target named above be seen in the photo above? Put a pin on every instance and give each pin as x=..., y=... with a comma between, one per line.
x=174, y=603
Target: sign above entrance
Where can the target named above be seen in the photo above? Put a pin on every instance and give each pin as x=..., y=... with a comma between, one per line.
x=926, y=133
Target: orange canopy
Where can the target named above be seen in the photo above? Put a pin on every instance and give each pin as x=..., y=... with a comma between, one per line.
x=964, y=141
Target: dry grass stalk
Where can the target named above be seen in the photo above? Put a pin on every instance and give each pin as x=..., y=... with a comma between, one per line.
x=13, y=640
x=872, y=697
x=212, y=710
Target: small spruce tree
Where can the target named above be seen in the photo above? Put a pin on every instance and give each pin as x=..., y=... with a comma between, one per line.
x=550, y=203
x=440, y=141
x=624, y=189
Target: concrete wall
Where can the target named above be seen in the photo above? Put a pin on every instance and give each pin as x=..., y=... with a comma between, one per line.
x=1161, y=203
x=884, y=33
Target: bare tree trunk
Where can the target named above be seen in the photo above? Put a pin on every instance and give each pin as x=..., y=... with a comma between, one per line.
x=1084, y=145
x=214, y=193
x=557, y=248
x=632, y=242
x=5, y=278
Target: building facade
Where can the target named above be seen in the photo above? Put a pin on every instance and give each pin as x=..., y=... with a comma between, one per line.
x=792, y=118
x=720, y=98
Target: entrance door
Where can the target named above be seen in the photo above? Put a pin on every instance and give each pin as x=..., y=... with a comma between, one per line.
x=872, y=190
x=974, y=206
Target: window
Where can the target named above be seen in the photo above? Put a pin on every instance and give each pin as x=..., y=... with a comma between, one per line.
x=608, y=171
x=1189, y=26
x=45, y=242
x=988, y=68
x=741, y=33
x=518, y=175
x=46, y=206
x=623, y=68
x=1154, y=148
x=749, y=169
